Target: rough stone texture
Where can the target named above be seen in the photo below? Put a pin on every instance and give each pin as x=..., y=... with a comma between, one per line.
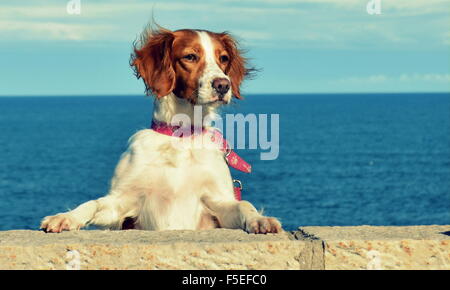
x=363, y=247
x=369, y=247
x=213, y=249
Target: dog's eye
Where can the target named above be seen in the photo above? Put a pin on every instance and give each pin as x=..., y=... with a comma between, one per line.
x=224, y=58
x=190, y=57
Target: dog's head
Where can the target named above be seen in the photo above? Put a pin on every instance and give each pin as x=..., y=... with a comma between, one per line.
x=201, y=66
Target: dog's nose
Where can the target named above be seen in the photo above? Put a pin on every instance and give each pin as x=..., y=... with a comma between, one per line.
x=221, y=85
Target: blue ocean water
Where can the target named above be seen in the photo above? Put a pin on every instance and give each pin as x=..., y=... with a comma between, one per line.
x=376, y=159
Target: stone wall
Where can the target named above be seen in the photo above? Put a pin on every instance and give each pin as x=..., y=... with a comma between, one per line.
x=362, y=247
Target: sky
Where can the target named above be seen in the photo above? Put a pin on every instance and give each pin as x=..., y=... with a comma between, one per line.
x=300, y=46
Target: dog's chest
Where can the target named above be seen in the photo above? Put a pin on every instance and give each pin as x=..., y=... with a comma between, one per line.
x=176, y=176
x=184, y=163
x=196, y=153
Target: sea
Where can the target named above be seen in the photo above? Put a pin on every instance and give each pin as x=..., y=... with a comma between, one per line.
x=344, y=159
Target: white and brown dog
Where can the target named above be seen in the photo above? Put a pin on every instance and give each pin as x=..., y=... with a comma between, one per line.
x=159, y=186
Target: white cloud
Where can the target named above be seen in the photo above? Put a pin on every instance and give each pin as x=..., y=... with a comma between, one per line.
x=348, y=3
x=420, y=6
x=32, y=11
x=424, y=6
x=52, y=30
x=432, y=77
x=379, y=78
x=252, y=34
x=111, y=9
x=382, y=78
x=340, y=24
x=100, y=19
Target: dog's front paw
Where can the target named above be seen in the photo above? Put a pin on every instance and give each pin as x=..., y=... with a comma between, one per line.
x=263, y=225
x=60, y=222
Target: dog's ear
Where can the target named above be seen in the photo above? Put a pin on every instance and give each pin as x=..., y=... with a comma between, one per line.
x=236, y=69
x=152, y=61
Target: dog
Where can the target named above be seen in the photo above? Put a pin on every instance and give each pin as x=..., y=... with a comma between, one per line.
x=160, y=186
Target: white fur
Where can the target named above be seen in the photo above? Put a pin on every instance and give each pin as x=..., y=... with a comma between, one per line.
x=167, y=187
x=212, y=71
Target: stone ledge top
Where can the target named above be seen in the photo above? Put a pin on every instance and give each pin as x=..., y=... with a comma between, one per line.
x=324, y=233
x=433, y=232
x=359, y=247
x=105, y=237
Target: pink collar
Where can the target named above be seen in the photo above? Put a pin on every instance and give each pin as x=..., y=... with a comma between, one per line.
x=169, y=130
x=232, y=159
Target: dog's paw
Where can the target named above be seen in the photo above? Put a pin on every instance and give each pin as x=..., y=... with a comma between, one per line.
x=60, y=222
x=263, y=225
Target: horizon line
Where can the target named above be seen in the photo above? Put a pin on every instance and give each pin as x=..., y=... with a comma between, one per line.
x=250, y=94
